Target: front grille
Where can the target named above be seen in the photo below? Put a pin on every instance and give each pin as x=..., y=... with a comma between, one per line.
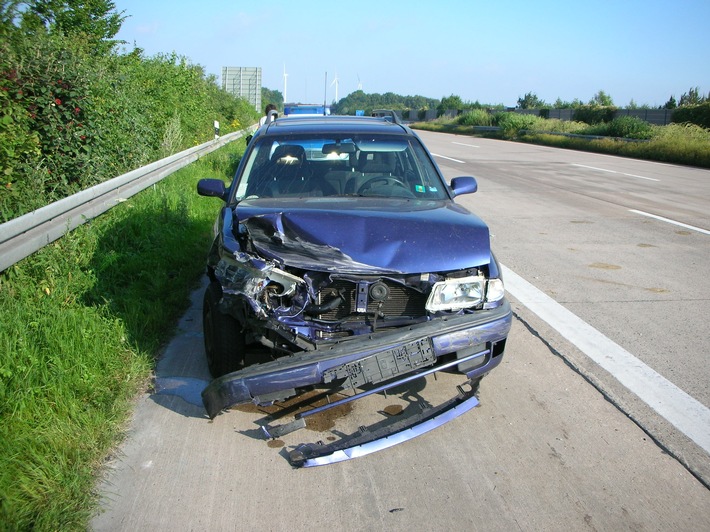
x=401, y=301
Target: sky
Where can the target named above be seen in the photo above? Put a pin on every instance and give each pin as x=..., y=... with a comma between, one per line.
x=489, y=51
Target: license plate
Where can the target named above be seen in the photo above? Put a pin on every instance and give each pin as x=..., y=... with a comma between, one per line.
x=385, y=365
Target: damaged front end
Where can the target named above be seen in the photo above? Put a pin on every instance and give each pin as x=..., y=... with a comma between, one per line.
x=347, y=326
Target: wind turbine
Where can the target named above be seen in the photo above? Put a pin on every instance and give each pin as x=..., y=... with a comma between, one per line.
x=285, y=80
x=359, y=83
x=335, y=82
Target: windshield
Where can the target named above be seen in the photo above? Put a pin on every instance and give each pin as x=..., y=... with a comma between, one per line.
x=383, y=166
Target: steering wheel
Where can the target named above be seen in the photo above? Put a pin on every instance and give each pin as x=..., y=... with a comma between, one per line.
x=385, y=180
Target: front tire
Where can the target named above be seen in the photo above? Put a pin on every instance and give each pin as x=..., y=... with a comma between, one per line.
x=224, y=338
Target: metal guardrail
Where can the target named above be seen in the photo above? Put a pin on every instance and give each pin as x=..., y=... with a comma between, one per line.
x=26, y=234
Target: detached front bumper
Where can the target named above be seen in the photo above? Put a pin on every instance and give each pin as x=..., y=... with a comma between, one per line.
x=370, y=359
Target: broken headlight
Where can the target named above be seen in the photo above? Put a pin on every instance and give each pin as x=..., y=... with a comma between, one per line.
x=465, y=292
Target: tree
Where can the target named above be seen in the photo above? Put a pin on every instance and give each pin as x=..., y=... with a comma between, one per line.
x=671, y=103
x=96, y=20
x=692, y=97
x=574, y=104
x=602, y=99
x=271, y=96
x=8, y=14
x=450, y=102
x=531, y=101
x=360, y=100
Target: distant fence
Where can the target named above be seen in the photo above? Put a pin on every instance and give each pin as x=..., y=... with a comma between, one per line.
x=26, y=234
x=658, y=117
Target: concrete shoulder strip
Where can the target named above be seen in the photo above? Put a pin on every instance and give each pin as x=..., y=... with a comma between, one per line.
x=686, y=413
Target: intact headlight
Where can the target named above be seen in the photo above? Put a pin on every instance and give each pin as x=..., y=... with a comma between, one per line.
x=465, y=292
x=455, y=294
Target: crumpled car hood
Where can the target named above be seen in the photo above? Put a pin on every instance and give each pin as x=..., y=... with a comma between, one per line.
x=366, y=235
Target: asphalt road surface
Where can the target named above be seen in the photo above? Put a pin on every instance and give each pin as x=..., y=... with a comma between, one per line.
x=623, y=246
x=595, y=420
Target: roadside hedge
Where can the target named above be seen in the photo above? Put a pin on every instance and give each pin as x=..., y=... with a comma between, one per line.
x=70, y=118
x=693, y=114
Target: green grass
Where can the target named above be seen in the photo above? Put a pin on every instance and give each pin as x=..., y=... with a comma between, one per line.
x=675, y=143
x=81, y=324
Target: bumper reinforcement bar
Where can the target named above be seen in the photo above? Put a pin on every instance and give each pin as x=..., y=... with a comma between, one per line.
x=277, y=431
x=365, y=441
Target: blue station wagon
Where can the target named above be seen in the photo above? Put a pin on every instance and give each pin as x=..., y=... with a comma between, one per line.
x=342, y=261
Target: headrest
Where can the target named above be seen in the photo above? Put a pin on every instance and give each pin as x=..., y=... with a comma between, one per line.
x=376, y=161
x=289, y=154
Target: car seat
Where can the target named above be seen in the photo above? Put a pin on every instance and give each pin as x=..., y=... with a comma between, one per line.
x=370, y=164
x=285, y=171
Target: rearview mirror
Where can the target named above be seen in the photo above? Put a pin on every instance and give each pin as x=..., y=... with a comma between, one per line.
x=347, y=147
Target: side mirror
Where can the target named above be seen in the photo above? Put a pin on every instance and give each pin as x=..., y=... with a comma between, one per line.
x=248, y=139
x=464, y=185
x=212, y=188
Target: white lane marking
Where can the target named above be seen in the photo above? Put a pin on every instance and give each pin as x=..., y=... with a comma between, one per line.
x=594, y=168
x=686, y=413
x=615, y=172
x=449, y=158
x=641, y=177
x=668, y=220
x=469, y=145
